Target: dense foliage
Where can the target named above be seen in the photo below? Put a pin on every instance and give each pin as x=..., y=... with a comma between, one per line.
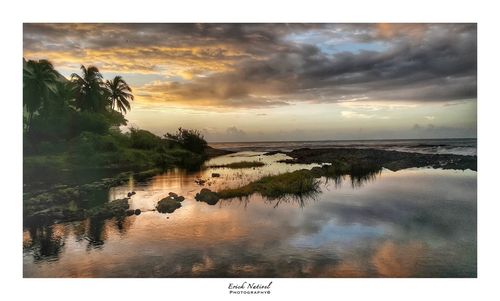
x=76, y=122
x=192, y=140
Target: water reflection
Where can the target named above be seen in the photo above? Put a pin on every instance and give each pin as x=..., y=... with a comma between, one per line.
x=44, y=243
x=356, y=177
x=410, y=223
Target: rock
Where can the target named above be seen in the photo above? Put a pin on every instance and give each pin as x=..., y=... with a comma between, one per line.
x=175, y=197
x=207, y=196
x=130, y=194
x=137, y=211
x=168, y=205
x=130, y=212
x=200, y=182
x=215, y=175
x=273, y=153
x=345, y=158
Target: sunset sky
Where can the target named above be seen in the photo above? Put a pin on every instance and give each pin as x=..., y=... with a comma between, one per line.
x=261, y=82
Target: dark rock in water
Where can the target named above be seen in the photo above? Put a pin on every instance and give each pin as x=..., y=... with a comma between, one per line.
x=137, y=211
x=174, y=196
x=168, y=205
x=207, y=196
x=215, y=175
x=200, y=182
x=273, y=153
x=130, y=194
x=130, y=212
x=392, y=160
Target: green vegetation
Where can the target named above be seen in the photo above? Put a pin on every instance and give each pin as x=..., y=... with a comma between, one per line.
x=302, y=182
x=242, y=164
x=298, y=183
x=191, y=140
x=74, y=125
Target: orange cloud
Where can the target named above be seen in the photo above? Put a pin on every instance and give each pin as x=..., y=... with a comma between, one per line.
x=169, y=61
x=390, y=31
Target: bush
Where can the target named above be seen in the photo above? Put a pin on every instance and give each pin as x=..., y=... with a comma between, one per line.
x=46, y=147
x=106, y=143
x=142, y=139
x=89, y=122
x=82, y=147
x=191, y=140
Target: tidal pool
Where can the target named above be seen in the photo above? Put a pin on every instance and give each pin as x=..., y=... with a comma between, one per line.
x=409, y=223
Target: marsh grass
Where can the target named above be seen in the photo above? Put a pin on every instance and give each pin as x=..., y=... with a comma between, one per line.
x=297, y=183
x=242, y=164
x=302, y=184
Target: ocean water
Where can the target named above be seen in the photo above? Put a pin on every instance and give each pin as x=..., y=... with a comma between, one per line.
x=466, y=146
x=417, y=222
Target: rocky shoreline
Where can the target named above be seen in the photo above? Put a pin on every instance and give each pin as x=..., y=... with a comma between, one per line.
x=392, y=160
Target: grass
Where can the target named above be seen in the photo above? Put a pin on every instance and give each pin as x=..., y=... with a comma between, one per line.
x=242, y=164
x=300, y=183
x=297, y=183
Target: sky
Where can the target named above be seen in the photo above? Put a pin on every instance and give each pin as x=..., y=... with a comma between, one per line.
x=280, y=82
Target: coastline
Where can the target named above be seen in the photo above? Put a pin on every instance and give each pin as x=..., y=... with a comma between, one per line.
x=55, y=203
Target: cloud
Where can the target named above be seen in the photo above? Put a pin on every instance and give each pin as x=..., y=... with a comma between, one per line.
x=234, y=131
x=351, y=114
x=266, y=65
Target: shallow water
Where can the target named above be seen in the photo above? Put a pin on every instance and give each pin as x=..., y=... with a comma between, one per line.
x=409, y=223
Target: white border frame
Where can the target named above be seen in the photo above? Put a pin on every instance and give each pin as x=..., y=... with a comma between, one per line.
x=483, y=288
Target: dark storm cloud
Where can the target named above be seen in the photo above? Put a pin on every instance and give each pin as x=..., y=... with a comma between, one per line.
x=274, y=64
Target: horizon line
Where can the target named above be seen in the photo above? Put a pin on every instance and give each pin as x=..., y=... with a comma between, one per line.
x=342, y=140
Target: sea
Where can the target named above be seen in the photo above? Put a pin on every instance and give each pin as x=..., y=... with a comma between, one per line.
x=462, y=146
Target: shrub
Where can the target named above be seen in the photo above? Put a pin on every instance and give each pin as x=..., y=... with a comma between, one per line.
x=142, y=139
x=191, y=140
x=106, y=143
x=89, y=122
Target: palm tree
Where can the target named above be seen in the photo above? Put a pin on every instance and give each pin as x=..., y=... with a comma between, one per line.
x=39, y=84
x=91, y=93
x=119, y=94
x=65, y=95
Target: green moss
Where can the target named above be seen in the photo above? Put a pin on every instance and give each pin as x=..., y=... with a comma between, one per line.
x=242, y=164
x=297, y=183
